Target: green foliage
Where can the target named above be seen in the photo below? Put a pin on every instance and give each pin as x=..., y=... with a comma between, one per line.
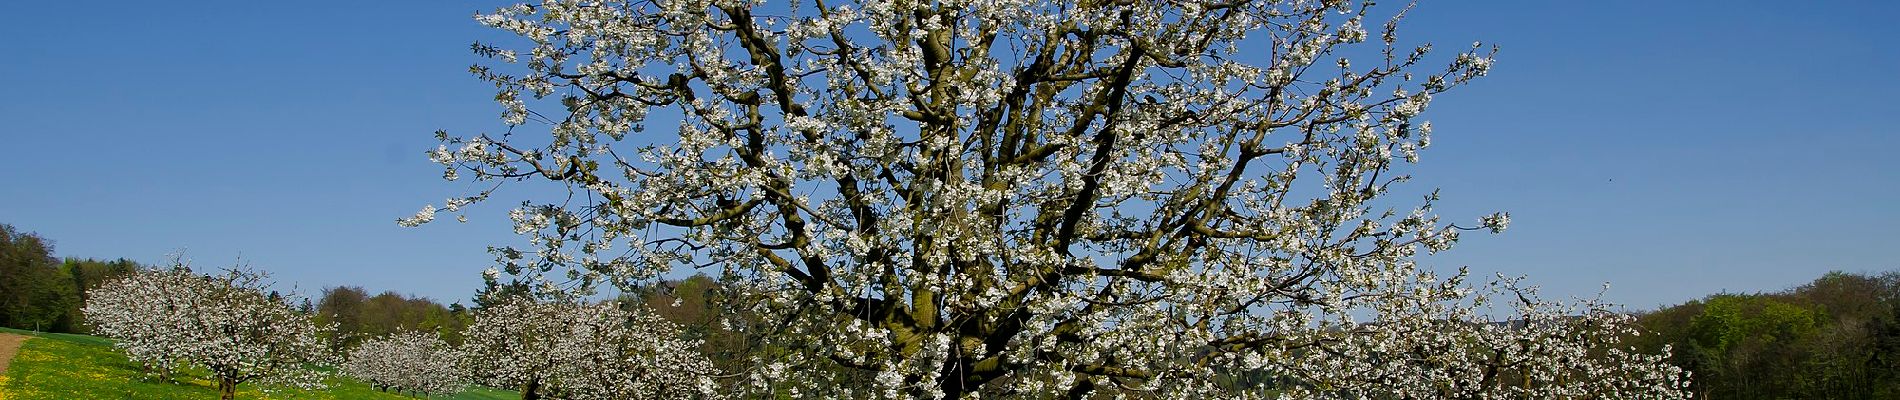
x=41, y=293
x=84, y=275
x=1729, y=320
x=696, y=304
x=359, y=316
x=61, y=366
x=494, y=292
x=1832, y=338
x=32, y=293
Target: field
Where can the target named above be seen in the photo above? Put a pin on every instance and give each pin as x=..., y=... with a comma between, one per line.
x=54, y=366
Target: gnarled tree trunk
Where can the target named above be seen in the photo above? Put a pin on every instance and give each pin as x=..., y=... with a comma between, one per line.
x=227, y=389
x=532, y=390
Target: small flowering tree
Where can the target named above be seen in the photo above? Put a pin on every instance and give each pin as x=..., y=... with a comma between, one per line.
x=140, y=311
x=1023, y=198
x=415, y=362
x=569, y=350
x=223, y=323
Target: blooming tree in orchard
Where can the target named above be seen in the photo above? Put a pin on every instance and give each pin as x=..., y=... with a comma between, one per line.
x=950, y=199
x=139, y=312
x=224, y=323
x=569, y=350
x=416, y=362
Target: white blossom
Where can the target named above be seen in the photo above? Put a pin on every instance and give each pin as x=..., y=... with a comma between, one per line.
x=224, y=323
x=1021, y=198
x=414, y=362
x=585, y=352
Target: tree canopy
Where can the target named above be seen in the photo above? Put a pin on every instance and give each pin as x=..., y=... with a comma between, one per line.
x=225, y=323
x=33, y=294
x=1021, y=198
x=359, y=316
x=565, y=349
x=43, y=293
x=415, y=362
x=1832, y=338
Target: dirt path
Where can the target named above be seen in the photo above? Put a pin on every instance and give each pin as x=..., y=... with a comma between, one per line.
x=9, y=345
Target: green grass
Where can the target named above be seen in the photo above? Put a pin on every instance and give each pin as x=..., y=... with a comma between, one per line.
x=483, y=393
x=65, y=366
x=83, y=339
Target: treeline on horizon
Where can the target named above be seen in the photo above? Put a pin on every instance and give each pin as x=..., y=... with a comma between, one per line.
x=41, y=292
x=1837, y=337
x=44, y=293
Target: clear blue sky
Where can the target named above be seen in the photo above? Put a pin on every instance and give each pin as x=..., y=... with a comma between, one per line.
x=1674, y=149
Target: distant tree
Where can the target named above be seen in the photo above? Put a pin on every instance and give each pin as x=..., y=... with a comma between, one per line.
x=494, y=291
x=359, y=315
x=569, y=350
x=33, y=294
x=1837, y=358
x=1884, y=360
x=343, y=307
x=687, y=302
x=456, y=324
x=1823, y=339
x=700, y=306
x=414, y=362
x=224, y=323
x=87, y=274
x=387, y=313
x=1742, y=338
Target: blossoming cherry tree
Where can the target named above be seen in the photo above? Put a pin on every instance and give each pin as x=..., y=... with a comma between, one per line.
x=224, y=323
x=1023, y=198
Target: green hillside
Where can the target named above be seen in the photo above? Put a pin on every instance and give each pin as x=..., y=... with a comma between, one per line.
x=56, y=366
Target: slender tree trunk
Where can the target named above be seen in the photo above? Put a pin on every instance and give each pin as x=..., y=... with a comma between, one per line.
x=227, y=389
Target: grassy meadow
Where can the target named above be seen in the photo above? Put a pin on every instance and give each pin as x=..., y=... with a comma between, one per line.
x=54, y=366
